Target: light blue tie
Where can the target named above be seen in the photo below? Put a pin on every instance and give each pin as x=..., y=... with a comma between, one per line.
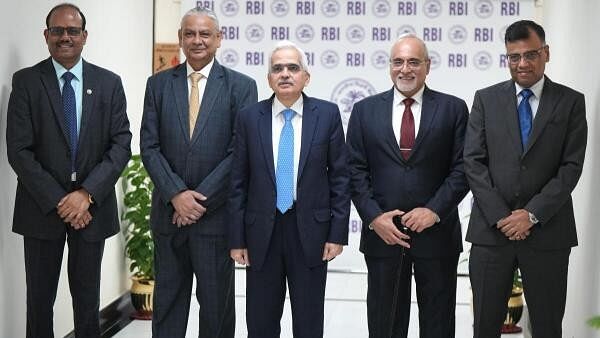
x=525, y=116
x=70, y=111
x=284, y=174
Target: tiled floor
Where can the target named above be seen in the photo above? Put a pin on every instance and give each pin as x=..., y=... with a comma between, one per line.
x=345, y=311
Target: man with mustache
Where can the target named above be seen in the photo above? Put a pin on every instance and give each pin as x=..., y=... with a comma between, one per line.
x=186, y=139
x=406, y=149
x=68, y=139
x=289, y=199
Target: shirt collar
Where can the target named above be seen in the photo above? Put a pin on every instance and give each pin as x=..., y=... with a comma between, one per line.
x=76, y=70
x=536, y=89
x=418, y=97
x=205, y=71
x=297, y=106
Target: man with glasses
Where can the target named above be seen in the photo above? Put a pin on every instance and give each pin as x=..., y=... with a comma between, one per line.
x=289, y=199
x=186, y=139
x=524, y=152
x=68, y=140
x=406, y=148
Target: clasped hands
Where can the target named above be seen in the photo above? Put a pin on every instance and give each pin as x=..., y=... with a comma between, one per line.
x=516, y=226
x=417, y=220
x=74, y=209
x=188, y=209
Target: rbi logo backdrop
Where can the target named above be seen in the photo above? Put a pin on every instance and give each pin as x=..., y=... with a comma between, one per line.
x=348, y=92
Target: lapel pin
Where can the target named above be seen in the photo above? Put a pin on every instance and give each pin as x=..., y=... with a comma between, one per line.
x=89, y=92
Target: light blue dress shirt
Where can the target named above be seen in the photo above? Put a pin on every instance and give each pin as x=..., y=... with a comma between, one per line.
x=76, y=83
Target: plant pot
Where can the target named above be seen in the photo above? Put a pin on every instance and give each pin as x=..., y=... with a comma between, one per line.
x=514, y=313
x=142, y=292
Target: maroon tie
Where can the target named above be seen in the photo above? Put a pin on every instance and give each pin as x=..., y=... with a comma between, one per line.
x=407, y=130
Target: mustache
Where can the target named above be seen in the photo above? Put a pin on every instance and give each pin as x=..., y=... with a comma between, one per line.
x=285, y=82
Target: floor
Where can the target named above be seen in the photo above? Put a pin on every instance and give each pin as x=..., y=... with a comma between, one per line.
x=345, y=311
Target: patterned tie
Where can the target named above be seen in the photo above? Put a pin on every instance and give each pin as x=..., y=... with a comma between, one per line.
x=194, y=101
x=407, y=129
x=70, y=111
x=525, y=116
x=284, y=175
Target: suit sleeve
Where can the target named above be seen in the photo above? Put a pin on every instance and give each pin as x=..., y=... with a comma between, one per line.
x=238, y=192
x=455, y=187
x=20, y=146
x=476, y=160
x=215, y=186
x=166, y=181
x=339, y=182
x=360, y=173
x=558, y=189
x=101, y=180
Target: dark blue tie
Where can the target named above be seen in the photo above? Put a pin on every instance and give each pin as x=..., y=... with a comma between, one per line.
x=70, y=111
x=525, y=116
x=284, y=174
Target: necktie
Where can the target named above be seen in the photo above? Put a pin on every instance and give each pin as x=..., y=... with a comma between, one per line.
x=70, y=111
x=194, y=101
x=284, y=175
x=407, y=129
x=525, y=116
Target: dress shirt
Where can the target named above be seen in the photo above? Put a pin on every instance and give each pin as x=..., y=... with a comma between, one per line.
x=76, y=83
x=398, y=111
x=534, y=100
x=201, y=84
x=277, y=124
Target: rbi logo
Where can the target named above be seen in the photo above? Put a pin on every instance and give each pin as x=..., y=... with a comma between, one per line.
x=330, y=8
x=229, y=58
x=348, y=92
x=380, y=59
x=255, y=33
x=229, y=7
x=355, y=33
x=406, y=29
x=457, y=34
x=305, y=33
x=482, y=60
x=435, y=59
x=330, y=59
x=280, y=8
x=432, y=8
x=484, y=9
x=381, y=8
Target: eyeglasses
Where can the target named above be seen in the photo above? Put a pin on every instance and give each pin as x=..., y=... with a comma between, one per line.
x=59, y=31
x=530, y=56
x=410, y=63
x=291, y=67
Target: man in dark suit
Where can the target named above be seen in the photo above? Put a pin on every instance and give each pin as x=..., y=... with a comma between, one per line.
x=68, y=140
x=524, y=153
x=406, y=159
x=186, y=139
x=289, y=199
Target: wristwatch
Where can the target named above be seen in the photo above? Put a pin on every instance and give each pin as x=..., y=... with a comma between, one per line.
x=533, y=219
x=91, y=200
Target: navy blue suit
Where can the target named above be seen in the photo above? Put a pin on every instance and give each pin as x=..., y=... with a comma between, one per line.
x=432, y=177
x=177, y=163
x=298, y=237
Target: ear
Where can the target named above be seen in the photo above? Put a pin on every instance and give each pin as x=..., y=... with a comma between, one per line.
x=46, y=33
x=179, y=36
x=84, y=34
x=547, y=49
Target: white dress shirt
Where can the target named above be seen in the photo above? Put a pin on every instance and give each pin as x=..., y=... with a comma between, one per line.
x=398, y=111
x=278, y=121
x=534, y=100
x=202, y=83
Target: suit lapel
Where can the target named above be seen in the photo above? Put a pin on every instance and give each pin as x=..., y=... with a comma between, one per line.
x=385, y=123
x=266, y=135
x=550, y=96
x=180, y=93
x=50, y=82
x=90, y=91
x=428, y=112
x=211, y=93
x=310, y=119
x=507, y=106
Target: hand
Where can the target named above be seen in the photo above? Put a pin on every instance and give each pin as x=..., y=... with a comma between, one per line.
x=331, y=251
x=516, y=226
x=419, y=219
x=188, y=210
x=72, y=207
x=384, y=226
x=82, y=222
x=240, y=256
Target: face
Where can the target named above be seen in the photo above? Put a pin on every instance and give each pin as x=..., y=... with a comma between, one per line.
x=532, y=62
x=286, y=76
x=408, y=67
x=65, y=47
x=199, y=38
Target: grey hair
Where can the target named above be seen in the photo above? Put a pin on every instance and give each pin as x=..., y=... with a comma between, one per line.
x=201, y=11
x=412, y=36
x=286, y=44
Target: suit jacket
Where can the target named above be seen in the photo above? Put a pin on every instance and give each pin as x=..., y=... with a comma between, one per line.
x=322, y=194
x=432, y=177
x=176, y=163
x=540, y=179
x=39, y=152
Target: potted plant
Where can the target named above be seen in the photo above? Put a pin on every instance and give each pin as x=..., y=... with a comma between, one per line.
x=139, y=247
x=594, y=322
x=515, y=306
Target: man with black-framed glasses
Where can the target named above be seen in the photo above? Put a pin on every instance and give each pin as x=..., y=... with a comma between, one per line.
x=68, y=140
x=524, y=153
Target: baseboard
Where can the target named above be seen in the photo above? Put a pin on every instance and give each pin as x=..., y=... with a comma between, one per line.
x=114, y=317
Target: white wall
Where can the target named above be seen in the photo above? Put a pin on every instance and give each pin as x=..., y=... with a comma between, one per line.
x=120, y=39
